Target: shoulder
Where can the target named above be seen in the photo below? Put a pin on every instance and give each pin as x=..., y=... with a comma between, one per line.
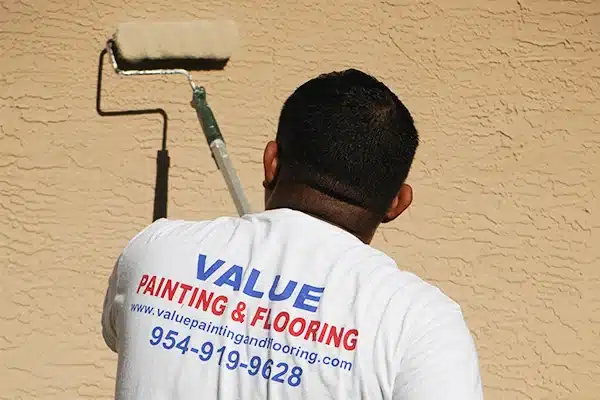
x=165, y=229
x=403, y=285
x=411, y=303
x=414, y=306
x=161, y=233
x=434, y=351
x=425, y=307
x=417, y=292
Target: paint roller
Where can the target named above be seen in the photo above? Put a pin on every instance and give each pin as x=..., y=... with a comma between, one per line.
x=171, y=48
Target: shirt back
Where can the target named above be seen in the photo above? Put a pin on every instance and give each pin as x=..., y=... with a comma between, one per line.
x=279, y=305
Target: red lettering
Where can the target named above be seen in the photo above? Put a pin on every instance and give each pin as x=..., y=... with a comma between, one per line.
x=150, y=286
x=160, y=284
x=322, y=335
x=267, y=324
x=202, y=299
x=333, y=334
x=185, y=288
x=313, y=327
x=219, y=305
x=170, y=288
x=350, y=339
x=143, y=282
x=279, y=316
x=258, y=315
x=194, y=293
x=297, y=321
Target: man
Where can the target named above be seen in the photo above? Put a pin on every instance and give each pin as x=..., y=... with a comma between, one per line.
x=293, y=302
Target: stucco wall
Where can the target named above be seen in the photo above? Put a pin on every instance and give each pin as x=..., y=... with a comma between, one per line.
x=506, y=216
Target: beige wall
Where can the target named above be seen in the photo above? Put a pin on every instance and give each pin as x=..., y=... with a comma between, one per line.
x=506, y=217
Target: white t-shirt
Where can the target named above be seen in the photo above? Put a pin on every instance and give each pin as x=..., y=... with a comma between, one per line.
x=279, y=305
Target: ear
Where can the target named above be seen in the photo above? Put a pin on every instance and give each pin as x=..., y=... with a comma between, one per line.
x=270, y=163
x=400, y=203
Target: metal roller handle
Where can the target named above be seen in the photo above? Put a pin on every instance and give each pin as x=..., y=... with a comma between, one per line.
x=218, y=149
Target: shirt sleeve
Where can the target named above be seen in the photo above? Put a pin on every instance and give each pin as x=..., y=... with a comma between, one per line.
x=111, y=309
x=440, y=358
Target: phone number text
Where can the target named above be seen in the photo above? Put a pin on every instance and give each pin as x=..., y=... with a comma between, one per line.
x=280, y=372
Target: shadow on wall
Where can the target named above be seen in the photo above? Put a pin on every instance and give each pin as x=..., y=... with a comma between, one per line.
x=162, y=155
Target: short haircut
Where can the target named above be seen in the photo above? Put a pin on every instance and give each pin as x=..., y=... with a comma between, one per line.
x=347, y=135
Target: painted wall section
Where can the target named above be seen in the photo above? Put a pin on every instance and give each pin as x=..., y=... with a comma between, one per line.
x=506, y=217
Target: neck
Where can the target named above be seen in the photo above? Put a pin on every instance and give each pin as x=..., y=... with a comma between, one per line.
x=353, y=219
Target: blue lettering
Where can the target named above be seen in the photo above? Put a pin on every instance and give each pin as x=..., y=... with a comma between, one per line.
x=307, y=299
x=306, y=295
x=250, y=283
x=287, y=292
x=202, y=273
x=236, y=272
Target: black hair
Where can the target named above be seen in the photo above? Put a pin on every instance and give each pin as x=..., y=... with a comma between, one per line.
x=347, y=135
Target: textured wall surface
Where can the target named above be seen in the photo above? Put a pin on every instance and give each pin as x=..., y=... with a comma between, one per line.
x=506, y=218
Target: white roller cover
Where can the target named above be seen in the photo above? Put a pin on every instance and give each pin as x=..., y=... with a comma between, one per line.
x=200, y=39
